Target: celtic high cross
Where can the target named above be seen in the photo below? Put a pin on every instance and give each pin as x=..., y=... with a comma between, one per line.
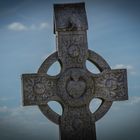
x=75, y=86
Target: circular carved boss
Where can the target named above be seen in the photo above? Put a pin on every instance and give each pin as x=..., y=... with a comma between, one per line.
x=101, y=65
x=75, y=87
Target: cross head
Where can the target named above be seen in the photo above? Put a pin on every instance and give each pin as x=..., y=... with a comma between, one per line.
x=74, y=87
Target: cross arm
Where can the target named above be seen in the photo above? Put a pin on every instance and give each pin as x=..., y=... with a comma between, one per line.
x=111, y=85
x=38, y=89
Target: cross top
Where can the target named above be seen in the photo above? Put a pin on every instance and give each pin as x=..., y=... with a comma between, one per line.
x=74, y=87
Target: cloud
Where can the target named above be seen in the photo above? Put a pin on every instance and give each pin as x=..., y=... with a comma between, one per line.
x=6, y=98
x=44, y=25
x=117, y=66
x=130, y=68
x=17, y=26
x=134, y=100
x=131, y=102
x=29, y=121
x=19, y=111
x=3, y=109
x=41, y=26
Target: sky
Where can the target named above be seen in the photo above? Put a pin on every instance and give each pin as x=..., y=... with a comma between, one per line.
x=26, y=39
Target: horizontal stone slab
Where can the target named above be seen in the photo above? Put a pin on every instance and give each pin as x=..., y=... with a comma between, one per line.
x=111, y=85
x=38, y=89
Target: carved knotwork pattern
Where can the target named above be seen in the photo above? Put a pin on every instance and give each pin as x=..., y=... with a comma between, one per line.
x=77, y=122
x=38, y=89
x=72, y=53
x=112, y=85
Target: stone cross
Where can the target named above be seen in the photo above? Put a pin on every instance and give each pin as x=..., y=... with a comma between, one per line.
x=74, y=87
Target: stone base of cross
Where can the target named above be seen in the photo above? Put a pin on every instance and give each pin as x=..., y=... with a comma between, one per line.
x=74, y=87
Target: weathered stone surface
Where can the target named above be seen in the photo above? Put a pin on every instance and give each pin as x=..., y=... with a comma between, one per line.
x=38, y=89
x=72, y=48
x=111, y=85
x=74, y=87
x=74, y=17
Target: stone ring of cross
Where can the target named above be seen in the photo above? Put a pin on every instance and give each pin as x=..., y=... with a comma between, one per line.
x=85, y=92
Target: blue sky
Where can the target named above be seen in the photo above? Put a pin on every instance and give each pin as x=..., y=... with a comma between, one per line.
x=26, y=39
